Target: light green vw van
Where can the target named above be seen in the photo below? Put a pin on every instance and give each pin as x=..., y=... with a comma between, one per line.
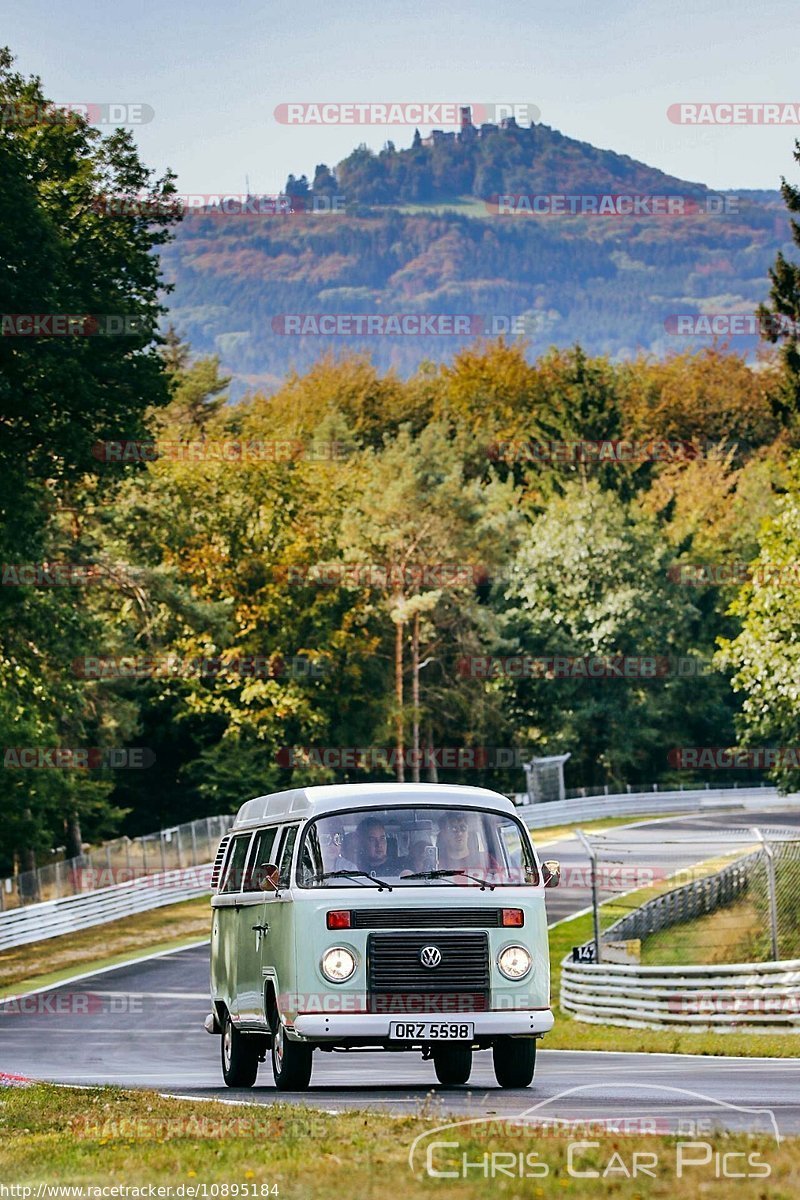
x=384, y=916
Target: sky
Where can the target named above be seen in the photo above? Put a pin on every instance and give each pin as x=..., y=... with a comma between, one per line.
x=213, y=73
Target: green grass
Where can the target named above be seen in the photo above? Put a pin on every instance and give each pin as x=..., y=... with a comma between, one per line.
x=106, y=1136
x=466, y=206
x=725, y=936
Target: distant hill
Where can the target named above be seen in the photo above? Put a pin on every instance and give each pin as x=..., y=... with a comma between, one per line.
x=418, y=231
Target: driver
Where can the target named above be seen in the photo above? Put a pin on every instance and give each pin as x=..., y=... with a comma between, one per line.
x=373, y=848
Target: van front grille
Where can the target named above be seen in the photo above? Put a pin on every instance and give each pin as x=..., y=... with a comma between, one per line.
x=399, y=981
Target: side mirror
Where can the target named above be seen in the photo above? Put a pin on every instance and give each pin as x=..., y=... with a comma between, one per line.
x=265, y=877
x=551, y=873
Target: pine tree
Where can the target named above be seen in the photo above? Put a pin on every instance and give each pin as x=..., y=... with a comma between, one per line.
x=781, y=317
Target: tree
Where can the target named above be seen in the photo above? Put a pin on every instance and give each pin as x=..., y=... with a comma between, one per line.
x=591, y=580
x=73, y=253
x=430, y=533
x=765, y=654
x=781, y=317
x=77, y=245
x=198, y=395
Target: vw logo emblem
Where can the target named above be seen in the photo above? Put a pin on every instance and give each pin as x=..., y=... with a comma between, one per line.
x=430, y=956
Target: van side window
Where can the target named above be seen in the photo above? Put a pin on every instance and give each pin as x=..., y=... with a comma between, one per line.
x=261, y=856
x=284, y=879
x=234, y=872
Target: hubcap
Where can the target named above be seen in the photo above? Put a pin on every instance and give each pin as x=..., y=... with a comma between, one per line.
x=227, y=1042
x=277, y=1046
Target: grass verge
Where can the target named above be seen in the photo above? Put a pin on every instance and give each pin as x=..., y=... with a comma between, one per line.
x=725, y=936
x=105, y=1136
x=554, y=833
x=571, y=1034
x=41, y=963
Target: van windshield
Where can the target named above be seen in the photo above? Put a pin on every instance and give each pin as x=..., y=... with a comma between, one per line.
x=416, y=845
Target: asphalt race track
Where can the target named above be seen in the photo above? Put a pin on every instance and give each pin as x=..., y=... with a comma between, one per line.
x=141, y=1025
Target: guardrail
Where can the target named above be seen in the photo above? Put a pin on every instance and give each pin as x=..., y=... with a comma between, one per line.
x=38, y=922
x=759, y=996
x=685, y=903
x=590, y=808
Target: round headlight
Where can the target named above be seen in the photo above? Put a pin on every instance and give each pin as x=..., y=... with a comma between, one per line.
x=515, y=962
x=338, y=964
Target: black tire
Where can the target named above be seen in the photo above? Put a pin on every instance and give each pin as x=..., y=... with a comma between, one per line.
x=291, y=1061
x=453, y=1064
x=239, y=1056
x=514, y=1061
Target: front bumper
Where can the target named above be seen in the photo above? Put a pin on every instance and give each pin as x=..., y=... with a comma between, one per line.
x=335, y=1027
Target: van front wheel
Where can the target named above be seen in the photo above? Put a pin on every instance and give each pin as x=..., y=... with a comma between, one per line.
x=291, y=1061
x=514, y=1061
x=453, y=1064
x=239, y=1056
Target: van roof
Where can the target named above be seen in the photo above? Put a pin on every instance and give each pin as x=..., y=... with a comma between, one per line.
x=306, y=802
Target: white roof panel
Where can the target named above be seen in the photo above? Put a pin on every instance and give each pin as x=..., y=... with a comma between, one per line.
x=306, y=802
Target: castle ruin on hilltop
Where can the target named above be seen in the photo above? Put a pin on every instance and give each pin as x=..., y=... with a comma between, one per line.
x=467, y=132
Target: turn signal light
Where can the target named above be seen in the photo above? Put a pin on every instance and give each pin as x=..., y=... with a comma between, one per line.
x=513, y=916
x=340, y=919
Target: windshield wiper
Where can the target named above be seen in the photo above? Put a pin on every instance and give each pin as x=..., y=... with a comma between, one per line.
x=357, y=875
x=447, y=875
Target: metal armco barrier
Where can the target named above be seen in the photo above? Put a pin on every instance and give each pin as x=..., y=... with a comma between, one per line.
x=686, y=903
x=757, y=996
x=37, y=922
x=592, y=808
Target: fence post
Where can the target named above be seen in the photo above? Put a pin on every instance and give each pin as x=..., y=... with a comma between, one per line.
x=590, y=850
x=773, y=903
x=194, y=844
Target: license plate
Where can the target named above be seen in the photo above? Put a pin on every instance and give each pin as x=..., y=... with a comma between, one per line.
x=431, y=1031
